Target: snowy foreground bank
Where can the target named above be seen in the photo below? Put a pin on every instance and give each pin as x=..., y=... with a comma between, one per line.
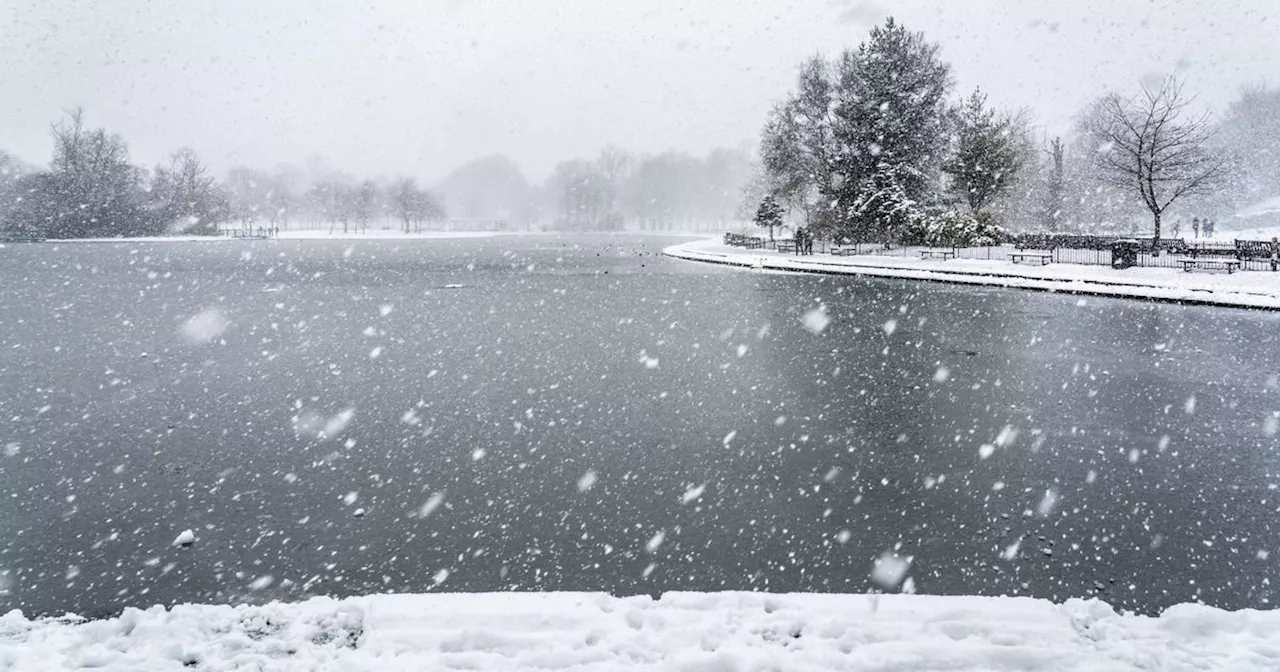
x=1251, y=289
x=681, y=631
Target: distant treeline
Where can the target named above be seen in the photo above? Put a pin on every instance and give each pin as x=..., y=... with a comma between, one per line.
x=91, y=189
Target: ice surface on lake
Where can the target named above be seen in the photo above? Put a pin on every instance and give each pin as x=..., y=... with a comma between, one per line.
x=204, y=326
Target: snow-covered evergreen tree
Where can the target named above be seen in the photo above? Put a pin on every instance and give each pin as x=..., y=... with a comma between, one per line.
x=988, y=156
x=889, y=123
x=769, y=214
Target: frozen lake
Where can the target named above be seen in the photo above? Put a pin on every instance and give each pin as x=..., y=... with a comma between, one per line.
x=579, y=413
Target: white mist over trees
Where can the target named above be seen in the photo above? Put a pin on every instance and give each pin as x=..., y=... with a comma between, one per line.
x=91, y=189
x=1250, y=137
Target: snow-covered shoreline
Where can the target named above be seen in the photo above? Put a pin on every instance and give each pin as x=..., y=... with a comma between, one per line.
x=295, y=235
x=1252, y=289
x=680, y=631
x=376, y=234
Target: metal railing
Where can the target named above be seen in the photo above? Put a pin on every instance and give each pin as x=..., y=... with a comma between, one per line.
x=1065, y=249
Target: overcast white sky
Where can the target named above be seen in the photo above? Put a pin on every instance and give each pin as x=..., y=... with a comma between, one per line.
x=417, y=87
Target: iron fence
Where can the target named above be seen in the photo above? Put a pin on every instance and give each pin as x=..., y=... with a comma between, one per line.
x=1089, y=250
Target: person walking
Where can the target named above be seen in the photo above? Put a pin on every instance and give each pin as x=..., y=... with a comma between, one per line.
x=1209, y=226
x=1275, y=254
x=1195, y=226
x=1177, y=227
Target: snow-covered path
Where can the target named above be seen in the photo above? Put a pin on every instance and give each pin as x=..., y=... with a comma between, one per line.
x=681, y=631
x=1252, y=289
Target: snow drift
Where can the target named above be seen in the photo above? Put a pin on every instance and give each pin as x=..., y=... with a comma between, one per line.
x=680, y=631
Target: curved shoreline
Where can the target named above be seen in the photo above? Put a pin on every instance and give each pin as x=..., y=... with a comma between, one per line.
x=1164, y=287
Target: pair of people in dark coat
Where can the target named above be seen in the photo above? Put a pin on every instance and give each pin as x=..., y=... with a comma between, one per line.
x=804, y=241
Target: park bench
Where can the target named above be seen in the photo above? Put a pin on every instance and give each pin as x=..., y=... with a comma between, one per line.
x=938, y=254
x=259, y=232
x=842, y=250
x=1045, y=258
x=1253, y=250
x=739, y=240
x=786, y=246
x=1198, y=250
x=1228, y=265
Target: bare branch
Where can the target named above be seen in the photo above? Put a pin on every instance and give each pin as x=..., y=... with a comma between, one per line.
x=1152, y=144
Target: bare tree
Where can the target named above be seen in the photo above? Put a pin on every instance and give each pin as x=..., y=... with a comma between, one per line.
x=614, y=163
x=247, y=190
x=185, y=197
x=413, y=205
x=99, y=192
x=1152, y=144
x=364, y=203
x=1055, y=186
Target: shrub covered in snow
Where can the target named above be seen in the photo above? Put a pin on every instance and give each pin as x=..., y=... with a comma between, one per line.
x=953, y=228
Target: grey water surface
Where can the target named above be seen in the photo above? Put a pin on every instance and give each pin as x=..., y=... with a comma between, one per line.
x=580, y=413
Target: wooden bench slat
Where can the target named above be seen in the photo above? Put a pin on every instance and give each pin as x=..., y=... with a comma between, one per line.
x=1045, y=257
x=1229, y=265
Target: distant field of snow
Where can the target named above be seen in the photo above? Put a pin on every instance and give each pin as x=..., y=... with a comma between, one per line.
x=323, y=234
x=1258, y=233
x=377, y=234
x=1247, y=289
x=383, y=234
x=720, y=632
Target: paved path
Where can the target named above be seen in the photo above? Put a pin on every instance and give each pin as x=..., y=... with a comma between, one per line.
x=1251, y=289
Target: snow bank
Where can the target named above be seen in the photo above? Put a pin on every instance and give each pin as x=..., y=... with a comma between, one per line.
x=682, y=631
x=1246, y=289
